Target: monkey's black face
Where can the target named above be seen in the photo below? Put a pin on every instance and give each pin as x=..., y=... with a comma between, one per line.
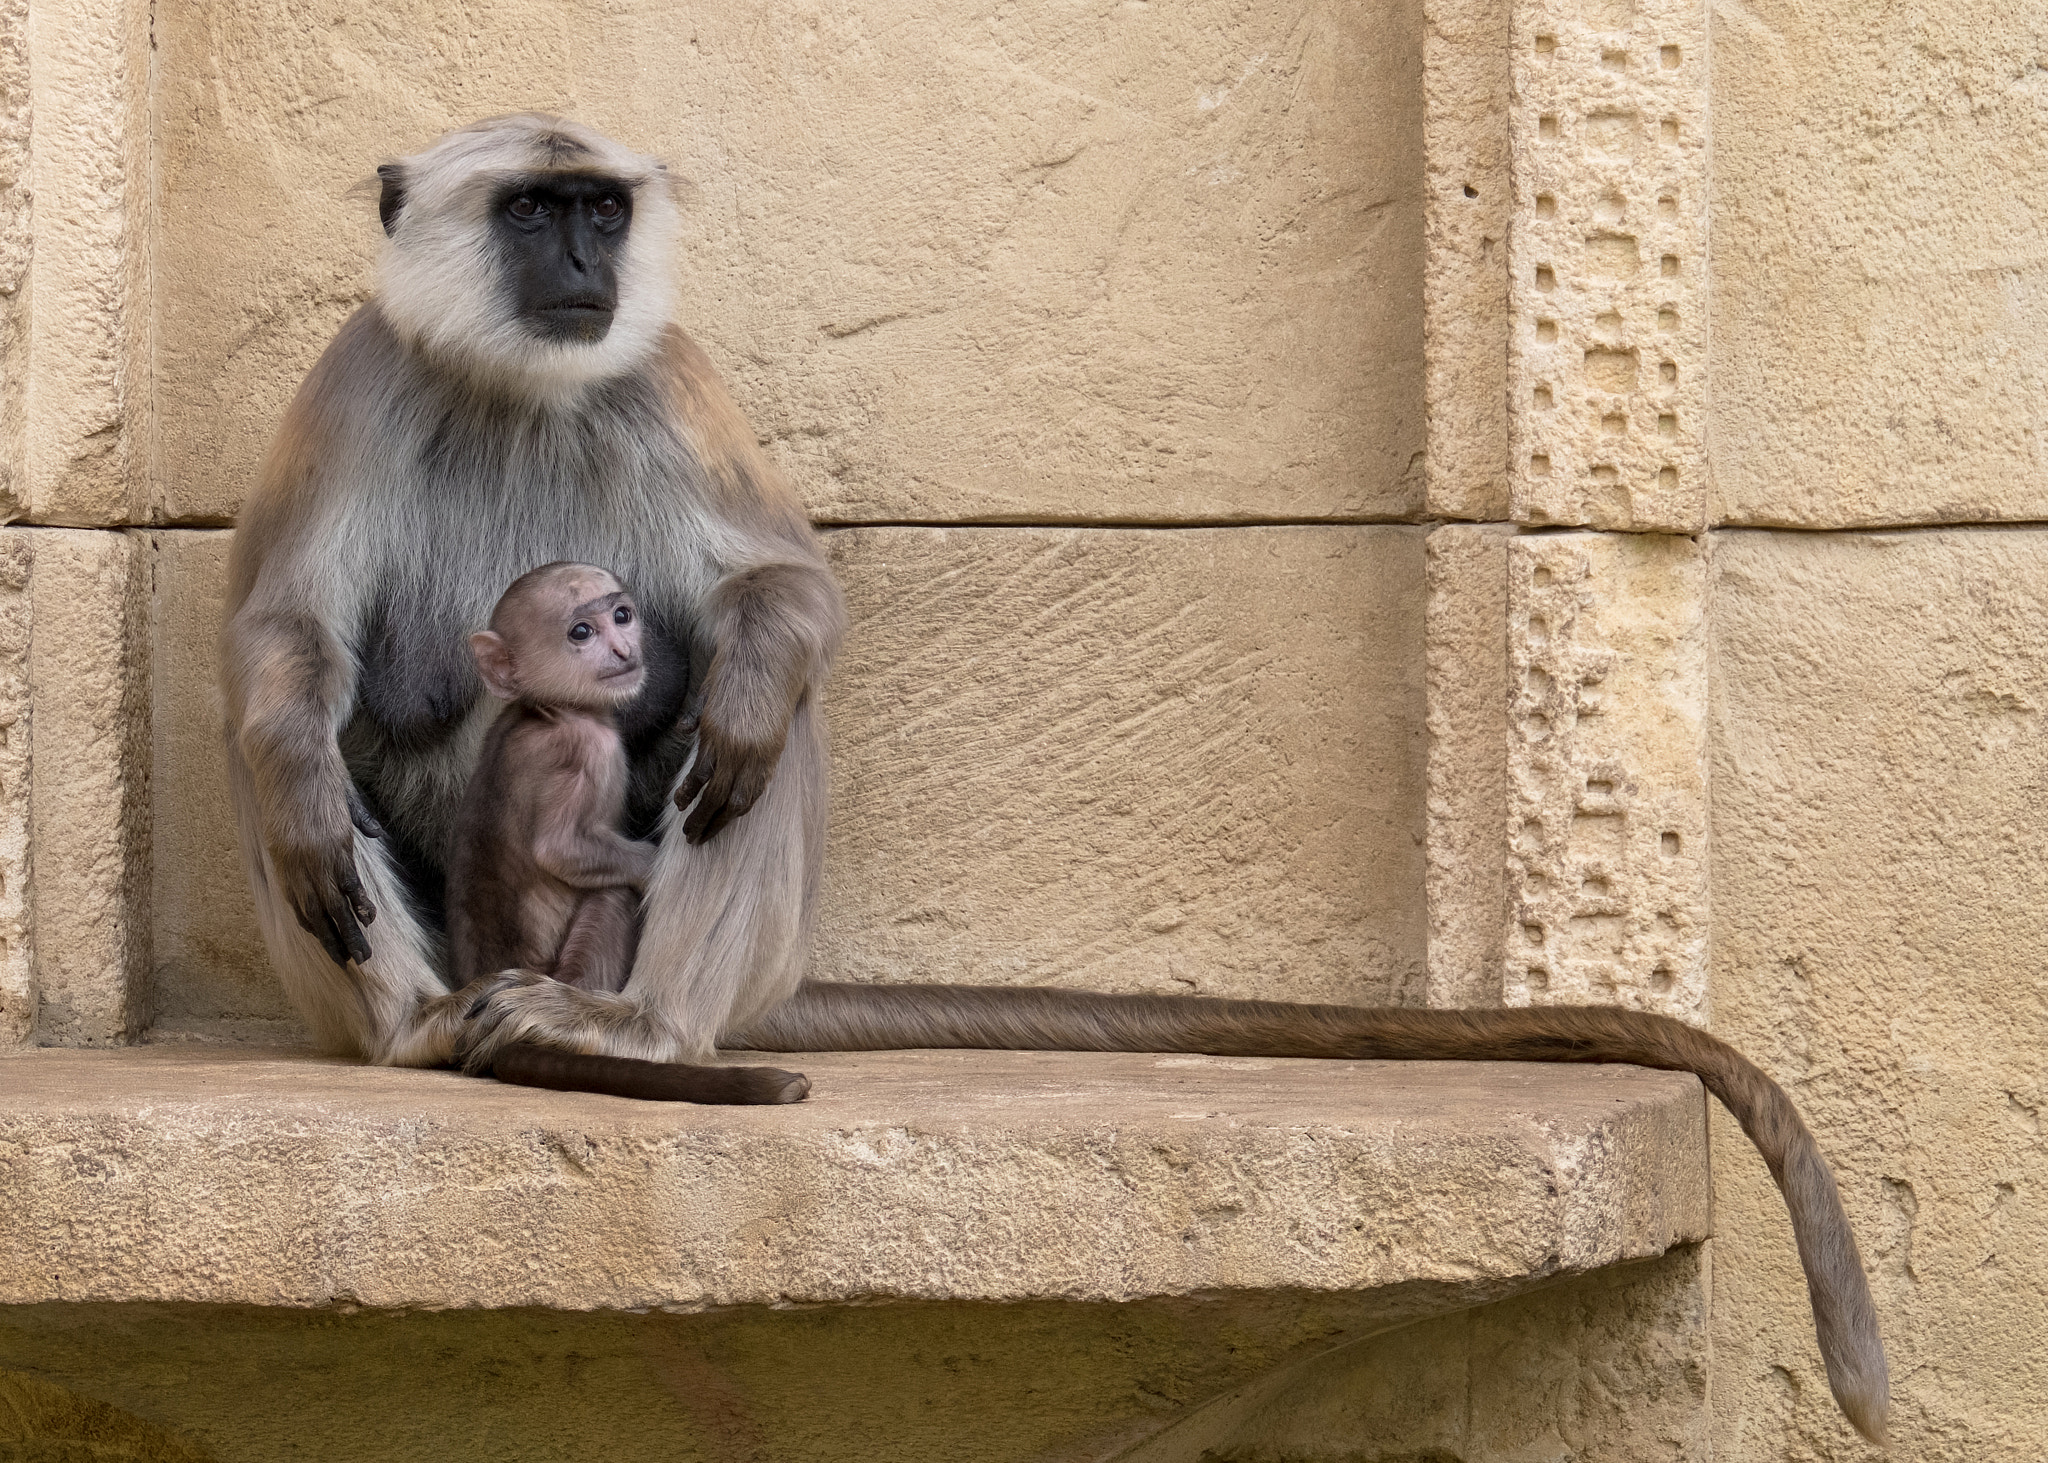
x=561, y=237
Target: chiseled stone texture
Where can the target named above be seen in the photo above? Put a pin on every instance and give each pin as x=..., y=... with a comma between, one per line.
x=1466, y=660
x=1607, y=380
x=1880, y=333
x=210, y=974
x=17, y=216
x=1466, y=91
x=1604, y=1366
x=1878, y=766
x=85, y=427
x=184, y=1173
x=1607, y=1366
x=1607, y=868
x=1119, y=262
x=87, y=675
x=17, y=966
x=1154, y=760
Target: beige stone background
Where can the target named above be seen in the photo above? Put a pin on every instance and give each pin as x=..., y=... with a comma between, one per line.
x=1385, y=500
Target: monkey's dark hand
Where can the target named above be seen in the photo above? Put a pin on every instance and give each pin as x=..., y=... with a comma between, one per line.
x=320, y=882
x=359, y=814
x=728, y=777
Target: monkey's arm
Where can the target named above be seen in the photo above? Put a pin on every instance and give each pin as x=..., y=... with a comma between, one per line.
x=774, y=616
x=575, y=842
x=289, y=686
x=588, y=859
x=773, y=630
x=296, y=576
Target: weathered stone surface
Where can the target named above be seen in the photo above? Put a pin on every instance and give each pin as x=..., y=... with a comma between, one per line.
x=1136, y=262
x=17, y=965
x=1610, y=1360
x=209, y=972
x=1182, y=761
x=88, y=832
x=86, y=426
x=1880, y=337
x=1878, y=946
x=1130, y=760
x=1466, y=92
x=1607, y=868
x=1607, y=379
x=192, y=1174
x=17, y=245
x=1467, y=670
x=39, y=1419
x=1612, y=1365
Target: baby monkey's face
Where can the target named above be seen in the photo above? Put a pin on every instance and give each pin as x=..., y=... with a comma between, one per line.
x=564, y=635
x=599, y=653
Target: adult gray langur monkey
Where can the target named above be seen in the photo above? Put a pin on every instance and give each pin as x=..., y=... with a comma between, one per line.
x=518, y=393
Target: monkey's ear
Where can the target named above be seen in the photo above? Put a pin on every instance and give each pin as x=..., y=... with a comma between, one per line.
x=494, y=664
x=392, y=198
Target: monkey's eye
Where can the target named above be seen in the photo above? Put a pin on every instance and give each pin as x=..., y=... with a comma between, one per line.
x=580, y=632
x=622, y=616
x=608, y=207
x=525, y=207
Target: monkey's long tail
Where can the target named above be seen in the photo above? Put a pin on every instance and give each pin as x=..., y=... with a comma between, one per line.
x=866, y=1017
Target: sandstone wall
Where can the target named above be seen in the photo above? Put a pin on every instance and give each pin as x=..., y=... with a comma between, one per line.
x=1136, y=267
x=1305, y=476
x=1878, y=356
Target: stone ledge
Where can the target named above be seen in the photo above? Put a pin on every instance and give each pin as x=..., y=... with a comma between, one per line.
x=229, y=1176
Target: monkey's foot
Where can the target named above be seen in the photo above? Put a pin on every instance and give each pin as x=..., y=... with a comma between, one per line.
x=524, y=1006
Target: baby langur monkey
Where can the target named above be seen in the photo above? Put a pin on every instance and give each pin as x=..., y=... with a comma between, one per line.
x=540, y=877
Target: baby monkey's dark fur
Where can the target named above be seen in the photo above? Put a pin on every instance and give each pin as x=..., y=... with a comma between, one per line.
x=540, y=876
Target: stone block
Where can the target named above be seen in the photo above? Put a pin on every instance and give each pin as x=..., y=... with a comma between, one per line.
x=1612, y=1361
x=222, y=1176
x=1612, y=1365
x=86, y=674
x=1607, y=866
x=1878, y=775
x=210, y=974
x=1880, y=340
x=1466, y=96
x=1467, y=677
x=1182, y=761
x=1607, y=257
x=1141, y=264
x=1134, y=760
x=17, y=963
x=17, y=246
x=85, y=428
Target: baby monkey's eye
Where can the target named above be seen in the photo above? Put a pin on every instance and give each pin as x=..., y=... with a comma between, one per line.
x=608, y=207
x=525, y=206
x=580, y=632
x=623, y=615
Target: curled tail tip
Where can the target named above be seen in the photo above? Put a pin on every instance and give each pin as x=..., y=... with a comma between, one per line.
x=796, y=1089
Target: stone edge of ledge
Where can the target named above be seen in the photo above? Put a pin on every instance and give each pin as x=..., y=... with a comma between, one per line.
x=224, y=1175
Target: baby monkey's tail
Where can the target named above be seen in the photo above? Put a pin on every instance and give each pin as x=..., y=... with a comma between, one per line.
x=540, y=1066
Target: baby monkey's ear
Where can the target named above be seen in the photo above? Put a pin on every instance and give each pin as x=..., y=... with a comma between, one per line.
x=494, y=664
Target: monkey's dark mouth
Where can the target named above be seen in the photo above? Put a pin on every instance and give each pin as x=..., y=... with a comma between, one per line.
x=587, y=319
